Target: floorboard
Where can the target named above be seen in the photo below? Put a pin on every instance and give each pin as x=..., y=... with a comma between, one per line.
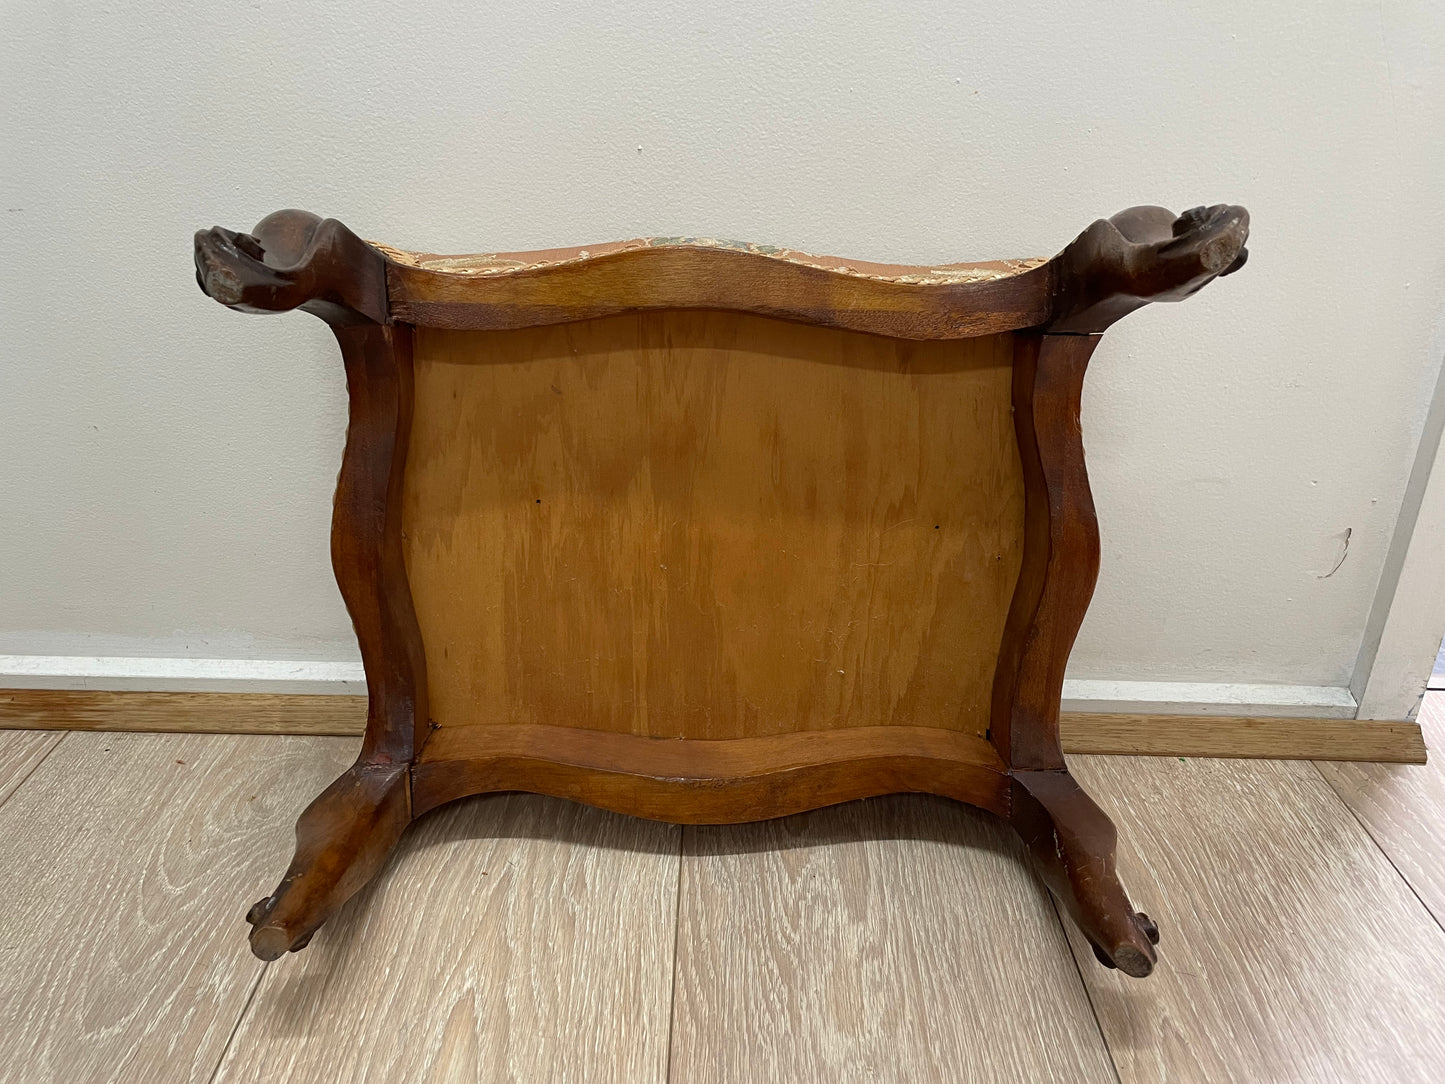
x=1292, y=951
x=511, y=938
x=896, y=939
x=21, y=752
x=516, y=938
x=1403, y=808
x=130, y=860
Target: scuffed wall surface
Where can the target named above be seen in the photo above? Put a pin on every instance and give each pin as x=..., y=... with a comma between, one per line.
x=167, y=465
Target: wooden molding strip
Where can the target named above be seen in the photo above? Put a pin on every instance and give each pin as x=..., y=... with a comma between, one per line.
x=1258, y=737
x=182, y=712
x=1083, y=732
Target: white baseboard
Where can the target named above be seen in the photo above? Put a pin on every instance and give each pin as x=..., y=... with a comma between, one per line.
x=116, y=673
x=1207, y=698
x=119, y=674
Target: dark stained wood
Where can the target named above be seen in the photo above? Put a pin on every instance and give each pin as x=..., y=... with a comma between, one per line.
x=341, y=841
x=713, y=781
x=1141, y=255
x=373, y=297
x=295, y=260
x=366, y=549
x=1072, y=843
x=1061, y=549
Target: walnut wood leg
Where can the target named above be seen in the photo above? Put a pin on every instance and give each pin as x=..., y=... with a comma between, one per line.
x=1072, y=844
x=341, y=841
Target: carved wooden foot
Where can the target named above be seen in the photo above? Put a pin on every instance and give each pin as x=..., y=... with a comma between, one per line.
x=1072, y=844
x=1142, y=255
x=341, y=841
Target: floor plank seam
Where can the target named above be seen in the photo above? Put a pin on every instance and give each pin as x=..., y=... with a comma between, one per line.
x=236, y=1027
x=1088, y=996
x=1379, y=847
x=676, y=942
x=33, y=769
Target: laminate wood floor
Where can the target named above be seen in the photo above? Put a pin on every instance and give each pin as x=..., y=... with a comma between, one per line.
x=517, y=938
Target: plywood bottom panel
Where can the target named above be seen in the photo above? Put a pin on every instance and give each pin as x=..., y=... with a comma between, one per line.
x=711, y=525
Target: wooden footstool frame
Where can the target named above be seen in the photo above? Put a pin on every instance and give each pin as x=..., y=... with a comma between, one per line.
x=718, y=725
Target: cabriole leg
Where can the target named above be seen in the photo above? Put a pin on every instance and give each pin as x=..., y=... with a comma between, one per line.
x=341, y=841
x=295, y=260
x=1071, y=841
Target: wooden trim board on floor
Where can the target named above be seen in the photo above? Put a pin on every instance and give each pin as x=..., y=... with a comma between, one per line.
x=1083, y=732
x=1256, y=737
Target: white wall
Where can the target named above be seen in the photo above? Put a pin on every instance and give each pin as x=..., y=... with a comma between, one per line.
x=166, y=465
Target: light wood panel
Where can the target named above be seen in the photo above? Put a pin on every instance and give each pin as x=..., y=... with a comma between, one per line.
x=21, y=752
x=1292, y=951
x=513, y=938
x=711, y=525
x=897, y=939
x=1083, y=732
x=129, y=862
x=184, y=712
x=1403, y=808
x=1242, y=736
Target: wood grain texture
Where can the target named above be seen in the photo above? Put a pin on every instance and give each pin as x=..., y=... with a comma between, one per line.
x=366, y=538
x=734, y=542
x=897, y=939
x=126, y=857
x=718, y=781
x=684, y=277
x=295, y=260
x=1081, y=732
x=1254, y=737
x=711, y=525
x=184, y=712
x=1117, y=265
x=342, y=840
x=1294, y=953
x=514, y=938
x=20, y=754
x=1073, y=844
x=1060, y=549
x=1403, y=808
